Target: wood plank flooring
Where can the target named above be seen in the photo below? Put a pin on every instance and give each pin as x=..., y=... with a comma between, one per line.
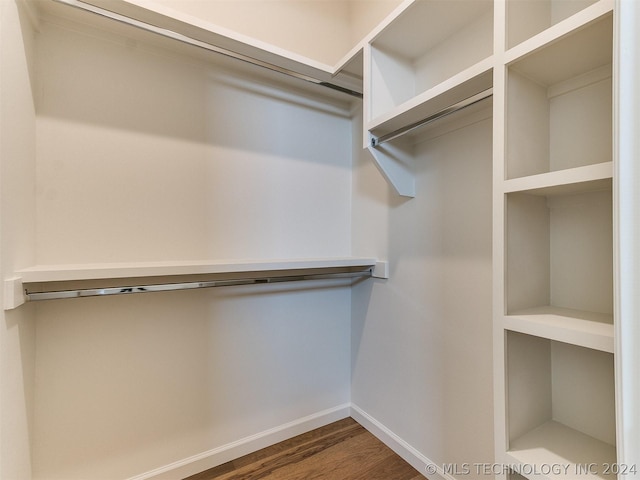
x=343, y=450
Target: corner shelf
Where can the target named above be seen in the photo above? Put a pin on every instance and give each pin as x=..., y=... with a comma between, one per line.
x=559, y=102
x=407, y=59
x=416, y=75
x=463, y=85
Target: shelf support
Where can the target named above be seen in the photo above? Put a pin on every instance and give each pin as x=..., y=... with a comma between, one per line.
x=14, y=295
x=396, y=166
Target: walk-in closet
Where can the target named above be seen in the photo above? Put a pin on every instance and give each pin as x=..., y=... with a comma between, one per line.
x=227, y=223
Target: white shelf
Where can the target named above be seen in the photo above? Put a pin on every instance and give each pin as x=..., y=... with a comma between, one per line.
x=559, y=104
x=563, y=28
x=559, y=250
x=553, y=443
x=94, y=279
x=64, y=273
x=471, y=81
x=191, y=27
x=408, y=59
x=573, y=180
x=586, y=329
x=572, y=55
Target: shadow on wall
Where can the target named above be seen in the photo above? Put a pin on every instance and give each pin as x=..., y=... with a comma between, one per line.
x=88, y=79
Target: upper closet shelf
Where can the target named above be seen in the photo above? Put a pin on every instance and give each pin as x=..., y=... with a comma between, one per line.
x=162, y=276
x=430, y=45
x=467, y=84
x=181, y=28
x=433, y=60
x=572, y=24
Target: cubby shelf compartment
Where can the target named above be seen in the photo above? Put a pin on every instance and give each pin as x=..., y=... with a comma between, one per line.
x=529, y=24
x=561, y=405
x=559, y=103
x=559, y=244
x=408, y=58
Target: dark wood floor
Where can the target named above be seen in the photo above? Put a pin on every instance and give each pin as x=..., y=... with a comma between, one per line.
x=343, y=450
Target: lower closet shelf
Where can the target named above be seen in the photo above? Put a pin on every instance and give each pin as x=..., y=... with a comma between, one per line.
x=556, y=451
x=72, y=281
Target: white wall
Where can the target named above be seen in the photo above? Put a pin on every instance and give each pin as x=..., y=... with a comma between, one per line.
x=626, y=201
x=17, y=166
x=421, y=340
x=146, y=156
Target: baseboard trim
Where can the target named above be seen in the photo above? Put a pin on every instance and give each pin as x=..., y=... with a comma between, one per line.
x=217, y=456
x=424, y=465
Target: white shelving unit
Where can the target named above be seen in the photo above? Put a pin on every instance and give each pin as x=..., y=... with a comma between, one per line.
x=559, y=103
x=553, y=233
x=408, y=61
x=560, y=404
x=413, y=73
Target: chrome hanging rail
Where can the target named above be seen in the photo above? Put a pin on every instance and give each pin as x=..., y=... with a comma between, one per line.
x=204, y=45
x=456, y=107
x=167, y=287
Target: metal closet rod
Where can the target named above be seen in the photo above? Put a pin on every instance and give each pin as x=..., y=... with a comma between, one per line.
x=167, y=287
x=456, y=107
x=204, y=45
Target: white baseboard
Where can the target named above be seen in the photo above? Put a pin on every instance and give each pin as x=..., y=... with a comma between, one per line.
x=218, y=456
x=422, y=464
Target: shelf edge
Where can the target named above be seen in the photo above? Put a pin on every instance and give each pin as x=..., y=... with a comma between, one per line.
x=559, y=178
x=79, y=272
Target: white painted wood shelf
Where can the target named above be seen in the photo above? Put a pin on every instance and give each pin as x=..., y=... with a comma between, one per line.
x=97, y=271
x=177, y=275
x=555, y=32
x=586, y=329
x=461, y=86
x=555, y=372
x=553, y=443
x=415, y=74
x=573, y=180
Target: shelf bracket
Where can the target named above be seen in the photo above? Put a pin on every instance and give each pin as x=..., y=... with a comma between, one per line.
x=396, y=166
x=14, y=295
